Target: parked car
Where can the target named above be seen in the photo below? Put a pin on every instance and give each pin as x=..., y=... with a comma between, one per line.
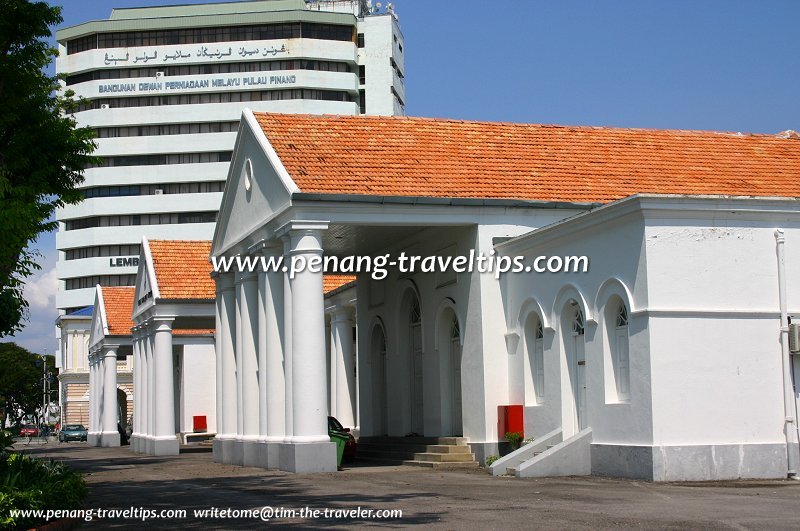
x=28, y=430
x=350, y=446
x=72, y=432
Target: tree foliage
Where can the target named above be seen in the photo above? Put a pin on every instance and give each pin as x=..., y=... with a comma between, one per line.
x=42, y=151
x=21, y=381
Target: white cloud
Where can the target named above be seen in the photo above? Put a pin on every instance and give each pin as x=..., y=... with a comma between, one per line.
x=40, y=289
x=38, y=334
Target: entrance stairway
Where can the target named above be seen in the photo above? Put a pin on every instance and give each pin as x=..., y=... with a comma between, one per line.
x=430, y=452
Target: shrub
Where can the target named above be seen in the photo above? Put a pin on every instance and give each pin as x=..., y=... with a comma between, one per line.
x=6, y=440
x=28, y=483
x=491, y=459
x=514, y=438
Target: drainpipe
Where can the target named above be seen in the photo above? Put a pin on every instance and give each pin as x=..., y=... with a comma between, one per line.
x=790, y=426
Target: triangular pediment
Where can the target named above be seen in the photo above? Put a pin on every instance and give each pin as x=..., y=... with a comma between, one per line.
x=146, y=286
x=257, y=187
x=99, y=327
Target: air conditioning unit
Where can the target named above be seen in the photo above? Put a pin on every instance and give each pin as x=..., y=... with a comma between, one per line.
x=105, y=106
x=794, y=338
x=159, y=74
x=159, y=191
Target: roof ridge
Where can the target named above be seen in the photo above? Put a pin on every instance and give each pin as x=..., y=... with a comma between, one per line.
x=375, y=118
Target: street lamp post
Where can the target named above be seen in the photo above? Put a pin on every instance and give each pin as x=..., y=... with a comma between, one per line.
x=44, y=391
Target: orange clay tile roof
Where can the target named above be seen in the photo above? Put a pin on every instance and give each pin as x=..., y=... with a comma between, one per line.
x=333, y=282
x=118, y=304
x=398, y=156
x=182, y=269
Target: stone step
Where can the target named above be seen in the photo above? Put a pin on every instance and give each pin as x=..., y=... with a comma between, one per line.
x=438, y=465
x=458, y=441
x=445, y=458
x=397, y=450
x=447, y=449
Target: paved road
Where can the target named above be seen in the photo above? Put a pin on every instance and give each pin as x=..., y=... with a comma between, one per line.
x=118, y=478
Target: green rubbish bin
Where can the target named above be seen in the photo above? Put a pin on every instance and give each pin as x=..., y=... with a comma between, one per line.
x=340, y=439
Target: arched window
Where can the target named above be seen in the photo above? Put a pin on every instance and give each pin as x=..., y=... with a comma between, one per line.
x=455, y=379
x=379, y=382
x=622, y=371
x=455, y=331
x=415, y=353
x=578, y=327
x=415, y=316
x=534, y=360
x=538, y=363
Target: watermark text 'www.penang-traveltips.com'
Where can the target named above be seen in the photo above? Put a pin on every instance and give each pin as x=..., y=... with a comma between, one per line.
x=378, y=266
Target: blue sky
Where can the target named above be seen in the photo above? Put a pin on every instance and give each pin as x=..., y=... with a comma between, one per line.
x=729, y=65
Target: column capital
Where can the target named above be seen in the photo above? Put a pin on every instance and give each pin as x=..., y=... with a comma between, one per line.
x=110, y=351
x=272, y=248
x=340, y=313
x=224, y=281
x=162, y=324
x=248, y=276
x=301, y=225
x=265, y=247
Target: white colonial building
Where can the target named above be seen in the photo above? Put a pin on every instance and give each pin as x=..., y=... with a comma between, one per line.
x=667, y=360
x=163, y=329
x=165, y=87
x=72, y=360
x=664, y=361
x=110, y=366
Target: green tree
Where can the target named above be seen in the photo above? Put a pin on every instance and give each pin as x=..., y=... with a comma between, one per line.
x=21, y=381
x=42, y=151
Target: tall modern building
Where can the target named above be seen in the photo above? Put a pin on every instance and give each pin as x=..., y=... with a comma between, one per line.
x=165, y=88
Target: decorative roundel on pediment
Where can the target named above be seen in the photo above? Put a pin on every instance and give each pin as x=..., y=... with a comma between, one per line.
x=248, y=175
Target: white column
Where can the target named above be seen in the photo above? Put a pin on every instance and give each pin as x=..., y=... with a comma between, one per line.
x=218, y=351
x=309, y=385
x=330, y=363
x=92, y=393
x=164, y=372
x=137, y=383
x=287, y=344
x=110, y=436
x=342, y=345
x=151, y=387
x=237, y=348
x=261, y=352
x=274, y=396
x=226, y=422
x=247, y=326
x=98, y=397
x=164, y=380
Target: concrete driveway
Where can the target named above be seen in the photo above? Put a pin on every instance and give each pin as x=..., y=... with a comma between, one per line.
x=120, y=479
